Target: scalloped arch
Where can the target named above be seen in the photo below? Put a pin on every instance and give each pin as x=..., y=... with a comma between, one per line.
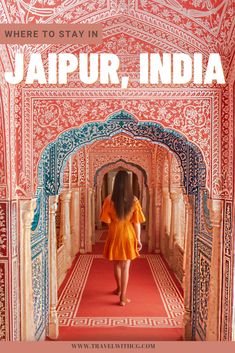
x=57, y=153
x=120, y=162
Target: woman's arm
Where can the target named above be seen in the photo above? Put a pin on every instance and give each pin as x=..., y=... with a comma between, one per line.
x=137, y=232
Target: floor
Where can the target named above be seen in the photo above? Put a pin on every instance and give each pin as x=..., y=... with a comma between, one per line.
x=88, y=310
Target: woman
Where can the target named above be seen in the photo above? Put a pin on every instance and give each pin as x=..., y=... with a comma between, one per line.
x=123, y=213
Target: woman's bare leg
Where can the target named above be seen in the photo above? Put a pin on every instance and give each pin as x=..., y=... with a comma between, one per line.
x=125, y=265
x=117, y=275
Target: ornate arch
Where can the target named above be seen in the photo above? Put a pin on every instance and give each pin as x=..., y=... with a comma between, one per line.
x=56, y=154
x=138, y=170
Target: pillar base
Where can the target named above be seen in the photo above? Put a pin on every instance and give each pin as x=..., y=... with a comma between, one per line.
x=150, y=245
x=42, y=337
x=188, y=332
x=187, y=326
x=157, y=251
x=89, y=247
x=171, y=258
x=68, y=262
x=53, y=328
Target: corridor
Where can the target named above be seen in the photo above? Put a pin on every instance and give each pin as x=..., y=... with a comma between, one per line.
x=88, y=310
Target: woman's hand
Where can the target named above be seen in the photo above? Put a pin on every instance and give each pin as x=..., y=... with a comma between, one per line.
x=137, y=232
x=139, y=245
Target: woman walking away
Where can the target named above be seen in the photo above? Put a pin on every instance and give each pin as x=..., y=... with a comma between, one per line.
x=122, y=212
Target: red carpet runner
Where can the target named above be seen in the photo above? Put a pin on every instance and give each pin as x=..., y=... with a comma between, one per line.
x=88, y=310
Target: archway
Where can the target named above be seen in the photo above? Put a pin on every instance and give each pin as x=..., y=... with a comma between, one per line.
x=141, y=178
x=121, y=163
x=194, y=177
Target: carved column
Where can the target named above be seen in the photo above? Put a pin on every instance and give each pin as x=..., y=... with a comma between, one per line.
x=182, y=216
x=83, y=219
x=27, y=311
x=189, y=222
x=93, y=214
x=144, y=233
x=53, y=317
x=111, y=176
x=175, y=196
x=141, y=184
x=165, y=208
x=99, y=205
x=150, y=221
x=186, y=215
x=88, y=234
x=144, y=200
x=104, y=188
x=163, y=228
x=75, y=221
x=214, y=300
x=157, y=218
x=65, y=225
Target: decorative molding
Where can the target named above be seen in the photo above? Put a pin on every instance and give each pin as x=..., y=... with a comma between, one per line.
x=144, y=104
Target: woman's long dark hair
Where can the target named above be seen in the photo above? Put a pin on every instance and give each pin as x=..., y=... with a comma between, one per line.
x=122, y=195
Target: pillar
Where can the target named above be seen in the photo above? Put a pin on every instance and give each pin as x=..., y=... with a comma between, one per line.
x=181, y=227
x=157, y=218
x=214, y=300
x=186, y=215
x=88, y=234
x=175, y=196
x=99, y=205
x=165, y=214
x=151, y=221
x=111, y=176
x=75, y=221
x=141, y=184
x=53, y=317
x=187, y=280
x=27, y=311
x=65, y=225
x=144, y=200
x=83, y=219
x=104, y=188
x=93, y=215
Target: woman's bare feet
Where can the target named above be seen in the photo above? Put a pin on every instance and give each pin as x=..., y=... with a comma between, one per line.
x=124, y=301
x=117, y=291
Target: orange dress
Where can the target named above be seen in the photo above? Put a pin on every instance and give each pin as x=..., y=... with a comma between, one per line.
x=121, y=242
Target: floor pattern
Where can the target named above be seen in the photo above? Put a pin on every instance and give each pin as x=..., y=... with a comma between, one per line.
x=72, y=313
